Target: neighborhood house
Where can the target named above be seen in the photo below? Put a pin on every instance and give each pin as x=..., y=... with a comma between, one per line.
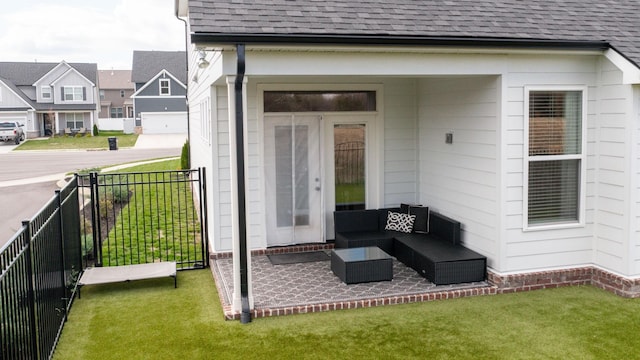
x=520, y=120
x=116, y=104
x=49, y=98
x=159, y=98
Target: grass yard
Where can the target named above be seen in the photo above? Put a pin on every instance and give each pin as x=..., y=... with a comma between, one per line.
x=152, y=320
x=83, y=142
x=158, y=222
x=350, y=193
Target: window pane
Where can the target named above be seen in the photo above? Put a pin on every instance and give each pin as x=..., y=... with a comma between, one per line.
x=349, y=161
x=554, y=191
x=555, y=122
x=301, y=101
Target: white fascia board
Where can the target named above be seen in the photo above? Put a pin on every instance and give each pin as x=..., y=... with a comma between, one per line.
x=630, y=72
x=163, y=71
x=71, y=69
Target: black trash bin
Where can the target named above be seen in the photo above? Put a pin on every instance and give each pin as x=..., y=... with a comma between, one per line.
x=113, y=143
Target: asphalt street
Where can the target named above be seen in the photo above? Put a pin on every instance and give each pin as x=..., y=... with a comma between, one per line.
x=28, y=178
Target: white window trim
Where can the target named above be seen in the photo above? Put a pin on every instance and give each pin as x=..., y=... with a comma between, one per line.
x=582, y=157
x=75, y=120
x=43, y=92
x=73, y=92
x=160, y=81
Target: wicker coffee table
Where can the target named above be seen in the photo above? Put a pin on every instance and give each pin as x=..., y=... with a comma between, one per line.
x=359, y=265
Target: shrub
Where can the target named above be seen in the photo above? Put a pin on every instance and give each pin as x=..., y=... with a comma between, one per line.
x=96, y=132
x=120, y=194
x=106, y=206
x=87, y=248
x=184, y=158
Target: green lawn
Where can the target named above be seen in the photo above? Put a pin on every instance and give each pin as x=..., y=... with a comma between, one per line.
x=350, y=193
x=152, y=320
x=84, y=142
x=158, y=222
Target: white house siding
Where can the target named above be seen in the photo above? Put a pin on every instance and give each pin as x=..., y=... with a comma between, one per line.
x=52, y=76
x=400, y=142
x=461, y=179
x=613, y=191
x=73, y=79
x=9, y=99
x=551, y=248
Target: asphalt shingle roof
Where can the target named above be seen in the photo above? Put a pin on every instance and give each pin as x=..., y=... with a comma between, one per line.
x=147, y=64
x=614, y=21
x=115, y=79
x=26, y=73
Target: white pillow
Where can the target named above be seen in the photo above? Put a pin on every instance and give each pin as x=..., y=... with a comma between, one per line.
x=400, y=222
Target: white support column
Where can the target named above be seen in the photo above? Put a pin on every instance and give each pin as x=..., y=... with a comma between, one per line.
x=54, y=124
x=237, y=303
x=90, y=129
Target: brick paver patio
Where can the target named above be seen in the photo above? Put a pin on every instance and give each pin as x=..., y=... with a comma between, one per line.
x=312, y=287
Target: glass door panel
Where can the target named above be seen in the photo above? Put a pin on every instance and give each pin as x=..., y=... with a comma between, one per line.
x=349, y=164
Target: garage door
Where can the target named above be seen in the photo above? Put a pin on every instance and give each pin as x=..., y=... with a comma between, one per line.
x=164, y=123
x=14, y=117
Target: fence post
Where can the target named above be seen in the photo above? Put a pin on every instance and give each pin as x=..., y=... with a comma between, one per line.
x=32, y=293
x=95, y=216
x=62, y=262
x=204, y=221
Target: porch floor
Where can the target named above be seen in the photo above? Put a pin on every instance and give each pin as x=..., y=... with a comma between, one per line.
x=312, y=286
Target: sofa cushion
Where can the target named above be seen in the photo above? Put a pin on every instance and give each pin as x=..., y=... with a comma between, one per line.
x=437, y=249
x=445, y=228
x=421, y=224
x=400, y=222
x=356, y=220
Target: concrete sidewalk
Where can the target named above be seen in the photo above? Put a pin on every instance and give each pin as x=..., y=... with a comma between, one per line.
x=160, y=141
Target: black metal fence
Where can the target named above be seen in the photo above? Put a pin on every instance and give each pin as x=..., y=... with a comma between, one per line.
x=95, y=220
x=349, y=163
x=39, y=267
x=144, y=217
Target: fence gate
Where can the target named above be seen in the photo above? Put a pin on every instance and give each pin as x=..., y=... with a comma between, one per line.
x=144, y=217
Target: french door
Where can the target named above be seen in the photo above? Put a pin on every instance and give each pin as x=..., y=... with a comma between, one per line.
x=292, y=162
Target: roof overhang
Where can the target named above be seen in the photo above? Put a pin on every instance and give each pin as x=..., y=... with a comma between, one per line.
x=630, y=72
x=228, y=40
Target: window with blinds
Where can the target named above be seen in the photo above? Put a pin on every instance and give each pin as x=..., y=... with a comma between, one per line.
x=555, y=157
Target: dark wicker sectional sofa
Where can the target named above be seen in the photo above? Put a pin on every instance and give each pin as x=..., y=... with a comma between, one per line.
x=436, y=255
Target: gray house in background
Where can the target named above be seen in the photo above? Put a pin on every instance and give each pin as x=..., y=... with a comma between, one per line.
x=159, y=98
x=49, y=97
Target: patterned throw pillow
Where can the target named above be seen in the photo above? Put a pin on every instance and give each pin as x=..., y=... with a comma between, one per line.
x=400, y=222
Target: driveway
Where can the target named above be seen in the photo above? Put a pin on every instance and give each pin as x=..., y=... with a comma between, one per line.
x=27, y=178
x=6, y=147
